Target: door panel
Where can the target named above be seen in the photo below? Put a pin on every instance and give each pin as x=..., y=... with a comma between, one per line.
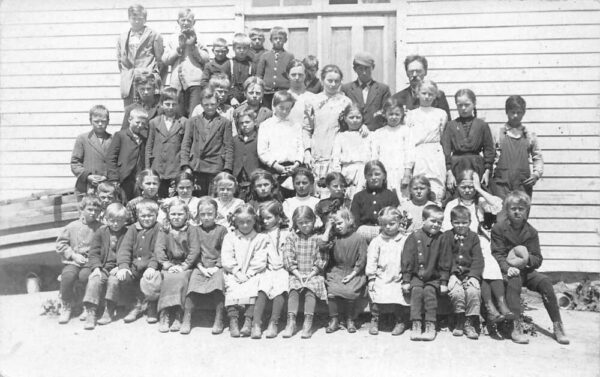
x=334, y=39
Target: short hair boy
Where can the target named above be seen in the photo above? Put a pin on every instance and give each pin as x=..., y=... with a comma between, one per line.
x=272, y=65
x=165, y=134
x=88, y=159
x=136, y=259
x=462, y=251
x=102, y=261
x=242, y=67
x=516, y=232
x=125, y=156
x=187, y=58
x=146, y=88
x=369, y=94
x=207, y=156
x=219, y=64
x=511, y=169
x=73, y=245
x=257, y=39
x=139, y=48
x=422, y=273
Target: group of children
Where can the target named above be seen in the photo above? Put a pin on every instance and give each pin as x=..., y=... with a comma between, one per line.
x=240, y=189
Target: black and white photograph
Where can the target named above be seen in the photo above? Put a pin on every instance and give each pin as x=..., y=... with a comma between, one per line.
x=300, y=188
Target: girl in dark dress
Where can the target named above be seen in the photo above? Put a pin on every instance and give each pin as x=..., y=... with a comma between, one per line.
x=345, y=277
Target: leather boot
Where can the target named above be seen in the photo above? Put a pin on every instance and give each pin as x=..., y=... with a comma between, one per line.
x=234, y=327
x=152, y=312
x=459, y=324
x=65, y=313
x=271, y=329
x=470, y=331
x=134, y=313
x=399, y=328
x=90, y=318
x=163, y=320
x=415, y=331
x=429, y=333
x=333, y=326
x=290, y=326
x=108, y=315
x=559, y=333
x=350, y=325
x=374, y=329
x=256, y=332
x=517, y=334
x=176, y=325
x=493, y=316
x=504, y=310
x=186, y=322
x=218, y=326
x=246, y=328
x=306, y=326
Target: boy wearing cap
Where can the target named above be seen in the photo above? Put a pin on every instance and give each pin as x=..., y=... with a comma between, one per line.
x=369, y=94
x=507, y=235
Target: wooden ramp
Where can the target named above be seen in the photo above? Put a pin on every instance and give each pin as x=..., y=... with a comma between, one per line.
x=29, y=226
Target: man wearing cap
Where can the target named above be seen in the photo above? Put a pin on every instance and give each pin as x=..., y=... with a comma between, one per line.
x=369, y=94
x=416, y=70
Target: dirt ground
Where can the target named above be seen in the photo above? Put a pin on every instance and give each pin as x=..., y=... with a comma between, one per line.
x=32, y=345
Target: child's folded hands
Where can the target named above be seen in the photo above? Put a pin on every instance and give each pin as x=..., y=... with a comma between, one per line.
x=114, y=271
x=240, y=277
x=175, y=269
x=79, y=259
x=122, y=274
x=149, y=273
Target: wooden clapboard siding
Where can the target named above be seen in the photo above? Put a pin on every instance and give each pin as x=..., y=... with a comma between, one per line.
x=549, y=52
x=58, y=60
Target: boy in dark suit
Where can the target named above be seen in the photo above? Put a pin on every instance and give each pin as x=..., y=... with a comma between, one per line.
x=369, y=94
x=207, y=144
x=102, y=261
x=272, y=65
x=163, y=147
x=125, y=157
x=88, y=160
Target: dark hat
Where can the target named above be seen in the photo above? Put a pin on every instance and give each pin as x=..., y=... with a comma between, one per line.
x=518, y=257
x=364, y=58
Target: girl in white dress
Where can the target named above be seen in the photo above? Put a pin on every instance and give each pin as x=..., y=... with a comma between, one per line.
x=391, y=145
x=426, y=124
x=351, y=150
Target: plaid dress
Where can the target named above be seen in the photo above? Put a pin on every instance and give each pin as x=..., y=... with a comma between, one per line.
x=304, y=254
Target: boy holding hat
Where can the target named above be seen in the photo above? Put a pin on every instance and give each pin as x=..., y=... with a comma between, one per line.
x=369, y=94
x=509, y=239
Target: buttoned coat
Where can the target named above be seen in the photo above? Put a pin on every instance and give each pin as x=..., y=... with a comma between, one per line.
x=147, y=56
x=124, y=156
x=207, y=144
x=378, y=94
x=163, y=147
x=89, y=157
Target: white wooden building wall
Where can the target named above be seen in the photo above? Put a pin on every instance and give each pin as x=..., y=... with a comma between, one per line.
x=548, y=52
x=58, y=59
